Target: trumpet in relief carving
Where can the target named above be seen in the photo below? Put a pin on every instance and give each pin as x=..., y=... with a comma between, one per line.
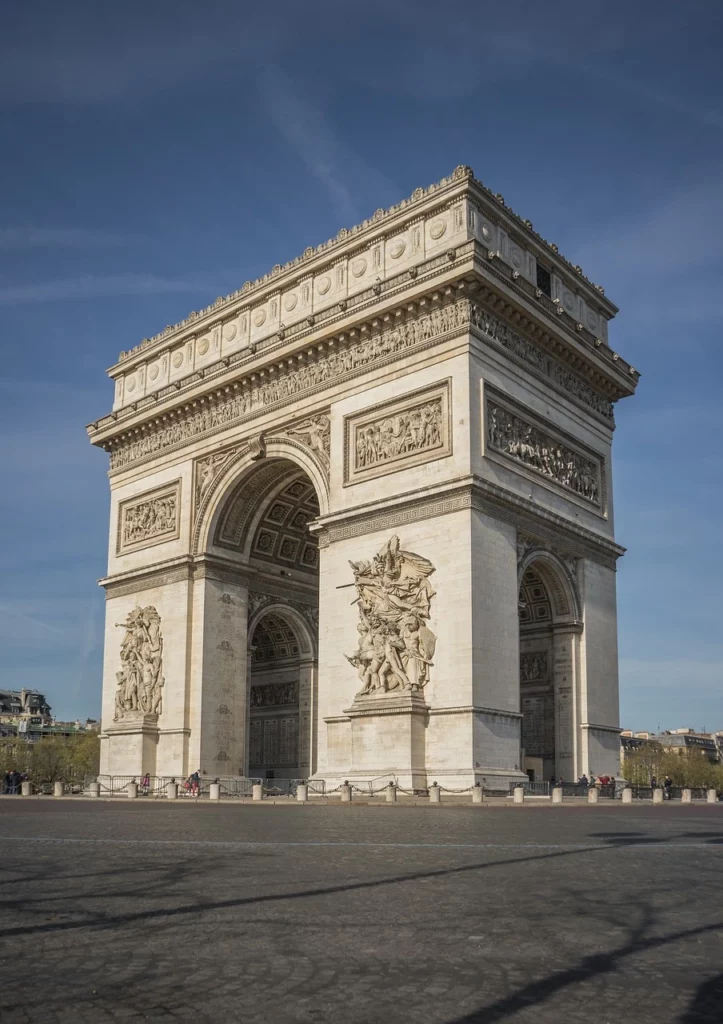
x=543, y=453
x=140, y=683
x=396, y=646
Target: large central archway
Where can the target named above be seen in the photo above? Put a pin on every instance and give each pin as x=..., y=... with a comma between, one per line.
x=549, y=626
x=258, y=513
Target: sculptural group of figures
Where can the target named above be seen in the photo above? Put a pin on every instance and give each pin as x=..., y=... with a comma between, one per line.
x=140, y=683
x=513, y=436
x=149, y=519
x=396, y=646
x=414, y=430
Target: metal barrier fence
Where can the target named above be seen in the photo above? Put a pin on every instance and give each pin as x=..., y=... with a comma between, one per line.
x=532, y=788
x=579, y=789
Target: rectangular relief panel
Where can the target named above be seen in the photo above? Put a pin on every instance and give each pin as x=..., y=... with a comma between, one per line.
x=150, y=518
x=398, y=434
x=514, y=435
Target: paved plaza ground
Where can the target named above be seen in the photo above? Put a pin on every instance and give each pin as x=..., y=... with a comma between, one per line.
x=132, y=911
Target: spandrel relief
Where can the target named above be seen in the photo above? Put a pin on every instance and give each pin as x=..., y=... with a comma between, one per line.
x=396, y=646
x=140, y=681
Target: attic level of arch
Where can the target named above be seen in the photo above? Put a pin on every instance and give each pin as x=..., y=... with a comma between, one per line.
x=601, y=368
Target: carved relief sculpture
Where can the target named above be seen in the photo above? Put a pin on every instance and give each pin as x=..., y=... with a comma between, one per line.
x=396, y=646
x=315, y=433
x=533, y=667
x=151, y=520
x=398, y=434
x=251, y=399
x=543, y=453
x=140, y=683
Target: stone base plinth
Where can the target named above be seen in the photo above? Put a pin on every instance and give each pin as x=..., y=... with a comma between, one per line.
x=129, y=745
x=385, y=735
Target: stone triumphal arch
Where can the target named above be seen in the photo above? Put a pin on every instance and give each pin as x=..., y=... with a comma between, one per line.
x=362, y=515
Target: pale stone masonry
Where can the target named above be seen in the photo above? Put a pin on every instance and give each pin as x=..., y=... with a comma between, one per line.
x=362, y=514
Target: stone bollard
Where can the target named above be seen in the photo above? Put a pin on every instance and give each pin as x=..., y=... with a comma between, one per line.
x=132, y=790
x=172, y=791
x=518, y=795
x=434, y=793
x=712, y=796
x=391, y=793
x=302, y=792
x=214, y=791
x=58, y=789
x=477, y=793
x=627, y=797
x=26, y=789
x=657, y=795
x=257, y=791
x=686, y=796
x=557, y=795
x=94, y=789
x=345, y=793
x=593, y=795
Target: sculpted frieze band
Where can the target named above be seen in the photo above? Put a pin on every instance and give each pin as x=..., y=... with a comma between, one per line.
x=398, y=434
x=251, y=398
x=540, y=361
x=538, y=450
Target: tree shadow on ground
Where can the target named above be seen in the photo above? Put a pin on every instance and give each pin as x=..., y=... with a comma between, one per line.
x=707, y=1004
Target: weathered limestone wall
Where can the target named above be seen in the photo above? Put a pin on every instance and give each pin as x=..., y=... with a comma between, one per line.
x=218, y=688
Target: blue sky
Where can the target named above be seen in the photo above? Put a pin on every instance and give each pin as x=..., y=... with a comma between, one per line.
x=160, y=154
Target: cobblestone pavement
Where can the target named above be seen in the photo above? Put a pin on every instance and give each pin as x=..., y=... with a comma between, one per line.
x=134, y=911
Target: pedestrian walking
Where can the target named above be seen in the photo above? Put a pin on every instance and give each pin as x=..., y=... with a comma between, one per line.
x=668, y=783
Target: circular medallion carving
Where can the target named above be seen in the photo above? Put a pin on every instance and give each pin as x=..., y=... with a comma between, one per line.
x=153, y=372
x=516, y=257
x=178, y=359
x=259, y=317
x=290, y=301
x=486, y=231
x=591, y=320
x=358, y=268
x=203, y=346
x=568, y=302
x=397, y=248
x=438, y=227
x=229, y=332
x=130, y=385
x=323, y=285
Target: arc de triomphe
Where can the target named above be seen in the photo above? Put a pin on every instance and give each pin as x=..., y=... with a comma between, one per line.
x=362, y=515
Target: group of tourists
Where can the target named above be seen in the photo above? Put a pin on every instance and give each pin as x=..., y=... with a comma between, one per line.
x=192, y=785
x=13, y=781
x=667, y=786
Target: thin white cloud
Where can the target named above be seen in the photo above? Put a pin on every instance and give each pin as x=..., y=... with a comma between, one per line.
x=91, y=286
x=308, y=134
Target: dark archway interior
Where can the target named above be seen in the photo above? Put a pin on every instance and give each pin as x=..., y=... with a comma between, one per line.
x=537, y=696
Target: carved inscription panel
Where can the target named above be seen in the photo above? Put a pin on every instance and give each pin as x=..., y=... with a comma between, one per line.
x=398, y=434
x=150, y=518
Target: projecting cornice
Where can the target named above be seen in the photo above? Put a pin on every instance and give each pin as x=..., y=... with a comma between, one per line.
x=360, y=267
x=412, y=312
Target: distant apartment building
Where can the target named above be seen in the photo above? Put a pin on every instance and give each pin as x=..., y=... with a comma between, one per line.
x=29, y=706
x=674, y=741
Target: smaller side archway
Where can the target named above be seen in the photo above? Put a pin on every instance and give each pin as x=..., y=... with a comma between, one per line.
x=282, y=693
x=549, y=630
